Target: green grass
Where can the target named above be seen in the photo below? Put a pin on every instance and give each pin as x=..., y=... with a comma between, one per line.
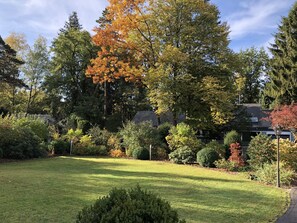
x=54, y=190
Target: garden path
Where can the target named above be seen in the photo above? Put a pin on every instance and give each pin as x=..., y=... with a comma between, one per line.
x=291, y=215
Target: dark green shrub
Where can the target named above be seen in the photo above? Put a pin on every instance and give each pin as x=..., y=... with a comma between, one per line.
x=132, y=206
x=163, y=131
x=38, y=127
x=267, y=174
x=141, y=154
x=98, y=150
x=1, y=153
x=232, y=137
x=114, y=122
x=183, y=155
x=17, y=141
x=159, y=153
x=92, y=150
x=261, y=150
x=99, y=136
x=207, y=156
x=219, y=148
x=22, y=144
x=60, y=147
x=140, y=135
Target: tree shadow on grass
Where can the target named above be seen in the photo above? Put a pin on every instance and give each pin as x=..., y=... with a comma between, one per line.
x=71, y=183
x=191, y=195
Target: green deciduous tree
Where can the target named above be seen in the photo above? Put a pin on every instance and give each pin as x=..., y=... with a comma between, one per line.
x=174, y=48
x=254, y=64
x=282, y=86
x=35, y=70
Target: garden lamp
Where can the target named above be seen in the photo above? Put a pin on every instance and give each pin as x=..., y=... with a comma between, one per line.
x=278, y=131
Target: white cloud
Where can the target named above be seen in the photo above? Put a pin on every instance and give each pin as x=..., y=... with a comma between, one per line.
x=46, y=17
x=256, y=16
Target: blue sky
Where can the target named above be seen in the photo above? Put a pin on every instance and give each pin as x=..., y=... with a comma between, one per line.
x=252, y=22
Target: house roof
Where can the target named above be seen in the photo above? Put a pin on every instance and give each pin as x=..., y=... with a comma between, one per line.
x=257, y=115
x=142, y=116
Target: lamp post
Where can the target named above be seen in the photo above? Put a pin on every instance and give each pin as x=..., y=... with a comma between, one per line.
x=278, y=132
x=293, y=132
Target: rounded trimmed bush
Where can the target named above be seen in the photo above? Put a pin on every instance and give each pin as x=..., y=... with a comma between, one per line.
x=219, y=148
x=129, y=206
x=141, y=154
x=183, y=155
x=207, y=156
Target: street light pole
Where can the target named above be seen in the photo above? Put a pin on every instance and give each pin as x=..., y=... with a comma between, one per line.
x=278, y=132
x=278, y=171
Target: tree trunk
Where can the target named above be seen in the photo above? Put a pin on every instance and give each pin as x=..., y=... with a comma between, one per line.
x=29, y=101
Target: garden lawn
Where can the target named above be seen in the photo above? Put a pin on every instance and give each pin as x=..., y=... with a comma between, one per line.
x=54, y=190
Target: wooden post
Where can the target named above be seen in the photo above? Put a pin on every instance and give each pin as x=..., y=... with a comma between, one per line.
x=71, y=145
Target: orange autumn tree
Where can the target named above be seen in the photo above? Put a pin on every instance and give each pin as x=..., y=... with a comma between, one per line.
x=118, y=57
x=173, y=47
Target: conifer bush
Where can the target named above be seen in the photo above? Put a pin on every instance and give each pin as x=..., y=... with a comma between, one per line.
x=129, y=206
x=207, y=156
x=182, y=155
x=231, y=137
x=261, y=150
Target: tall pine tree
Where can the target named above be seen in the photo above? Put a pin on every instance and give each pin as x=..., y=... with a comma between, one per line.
x=282, y=87
x=70, y=90
x=9, y=65
x=72, y=23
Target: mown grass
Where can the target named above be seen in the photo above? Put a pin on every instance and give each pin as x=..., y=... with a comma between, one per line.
x=54, y=190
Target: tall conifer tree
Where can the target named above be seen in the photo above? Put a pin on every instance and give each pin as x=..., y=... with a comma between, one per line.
x=9, y=65
x=70, y=90
x=282, y=87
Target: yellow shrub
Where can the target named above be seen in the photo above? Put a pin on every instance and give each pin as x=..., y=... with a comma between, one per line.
x=288, y=153
x=114, y=143
x=117, y=153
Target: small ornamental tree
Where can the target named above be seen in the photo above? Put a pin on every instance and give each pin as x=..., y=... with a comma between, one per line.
x=236, y=154
x=284, y=116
